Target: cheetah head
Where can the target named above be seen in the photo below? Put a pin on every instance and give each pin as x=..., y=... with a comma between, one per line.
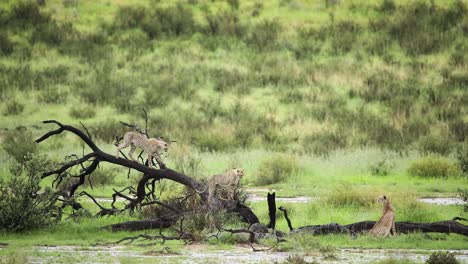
x=239, y=172
x=382, y=199
x=160, y=144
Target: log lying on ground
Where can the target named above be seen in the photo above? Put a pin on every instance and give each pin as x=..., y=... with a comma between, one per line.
x=446, y=227
x=155, y=223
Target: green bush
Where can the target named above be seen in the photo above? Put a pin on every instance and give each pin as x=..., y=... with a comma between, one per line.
x=343, y=36
x=53, y=95
x=230, y=80
x=163, y=87
x=324, y=143
x=23, y=205
x=422, y=28
x=433, y=166
x=107, y=131
x=264, y=35
x=6, y=46
x=13, y=108
x=18, y=143
x=276, y=169
x=173, y=20
x=344, y=196
x=382, y=167
x=387, y=6
x=213, y=141
x=186, y=161
x=26, y=13
x=89, y=46
x=441, y=257
x=435, y=144
x=224, y=23
x=308, y=42
x=130, y=16
x=82, y=112
x=462, y=157
x=463, y=195
x=101, y=178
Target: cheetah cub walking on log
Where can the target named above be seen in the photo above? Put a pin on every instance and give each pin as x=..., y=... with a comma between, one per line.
x=152, y=146
x=386, y=221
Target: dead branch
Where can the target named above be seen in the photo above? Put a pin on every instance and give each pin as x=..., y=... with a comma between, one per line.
x=162, y=237
x=446, y=227
x=240, y=231
x=281, y=208
x=104, y=211
x=101, y=156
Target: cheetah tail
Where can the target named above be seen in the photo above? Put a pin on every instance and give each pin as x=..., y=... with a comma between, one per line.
x=206, y=189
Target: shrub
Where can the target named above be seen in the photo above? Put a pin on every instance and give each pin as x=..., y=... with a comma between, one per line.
x=295, y=259
x=130, y=16
x=186, y=161
x=6, y=46
x=462, y=156
x=387, y=6
x=382, y=167
x=343, y=36
x=433, y=166
x=166, y=86
x=53, y=95
x=82, y=112
x=463, y=194
x=308, y=42
x=276, y=169
x=264, y=35
x=26, y=13
x=421, y=28
x=107, y=131
x=459, y=130
x=224, y=23
x=91, y=46
x=23, y=205
x=435, y=144
x=324, y=142
x=13, y=108
x=18, y=143
x=101, y=177
x=344, y=196
x=213, y=140
x=441, y=257
x=230, y=80
x=174, y=20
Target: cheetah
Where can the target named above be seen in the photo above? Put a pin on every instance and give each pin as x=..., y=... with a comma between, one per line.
x=152, y=146
x=386, y=221
x=224, y=185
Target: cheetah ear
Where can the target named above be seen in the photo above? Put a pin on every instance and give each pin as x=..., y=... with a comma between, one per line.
x=385, y=197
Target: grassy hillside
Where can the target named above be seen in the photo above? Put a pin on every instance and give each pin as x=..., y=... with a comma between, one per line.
x=307, y=76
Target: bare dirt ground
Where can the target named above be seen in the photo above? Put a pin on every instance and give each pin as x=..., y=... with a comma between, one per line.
x=202, y=254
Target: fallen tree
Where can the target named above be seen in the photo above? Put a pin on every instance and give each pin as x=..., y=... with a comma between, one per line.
x=82, y=167
x=447, y=227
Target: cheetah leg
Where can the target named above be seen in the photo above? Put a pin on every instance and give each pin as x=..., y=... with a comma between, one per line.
x=150, y=161
x=120, y=147
x=158, y=158
x=130, y=153
x=393, y=229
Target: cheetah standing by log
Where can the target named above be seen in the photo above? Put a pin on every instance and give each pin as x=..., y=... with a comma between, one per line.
x=224, y=186
x=387, y=221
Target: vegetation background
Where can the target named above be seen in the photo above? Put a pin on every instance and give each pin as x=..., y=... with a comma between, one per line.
x=342, y=100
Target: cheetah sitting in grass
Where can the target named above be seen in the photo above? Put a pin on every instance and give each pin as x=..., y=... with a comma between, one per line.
x=387, y=221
